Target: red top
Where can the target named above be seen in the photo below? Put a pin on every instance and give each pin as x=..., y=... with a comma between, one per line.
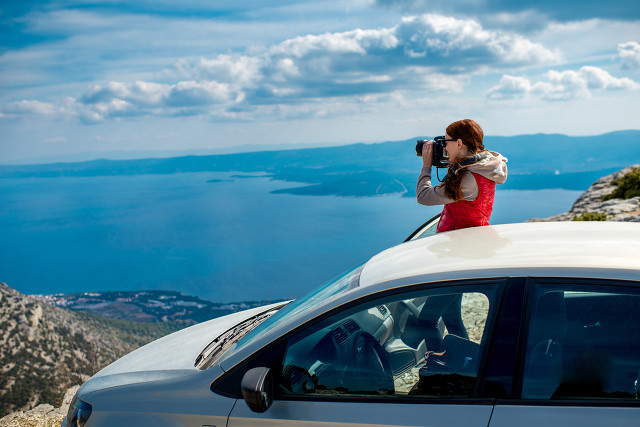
x=464, y=214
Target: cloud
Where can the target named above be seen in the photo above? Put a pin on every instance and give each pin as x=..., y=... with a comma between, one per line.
x=358, y=62
x=28, y=107
x=356, y=41
x=137, y=93
x=510, y=87
x=629, y=54
x=192, y=93
x=561, y=85
x=464, y=42
x=236, y=70
x=118, y=99
x=427, y=53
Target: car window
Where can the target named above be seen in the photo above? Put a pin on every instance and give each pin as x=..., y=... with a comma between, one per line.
x=427, y=229
x=423, y=344
x=583, y=343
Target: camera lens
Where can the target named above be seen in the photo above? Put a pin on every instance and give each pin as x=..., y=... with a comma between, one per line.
x=419, y=146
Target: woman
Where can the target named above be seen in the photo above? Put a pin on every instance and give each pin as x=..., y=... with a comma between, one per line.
x=469, y=187
x=467, y=193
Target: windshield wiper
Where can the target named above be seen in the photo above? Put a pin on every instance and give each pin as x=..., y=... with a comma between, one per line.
x=217, y=347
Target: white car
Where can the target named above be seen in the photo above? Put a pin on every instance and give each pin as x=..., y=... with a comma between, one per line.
x=523, y=324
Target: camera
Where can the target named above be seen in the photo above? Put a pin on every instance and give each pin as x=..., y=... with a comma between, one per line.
x=440, y=156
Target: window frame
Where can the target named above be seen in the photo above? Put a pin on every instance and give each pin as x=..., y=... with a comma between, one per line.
x=501, y=366
x=277, y=347
x=527, y=316
x=433, y=221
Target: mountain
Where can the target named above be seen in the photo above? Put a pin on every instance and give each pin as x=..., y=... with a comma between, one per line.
x=44, y=349
x=359, y=170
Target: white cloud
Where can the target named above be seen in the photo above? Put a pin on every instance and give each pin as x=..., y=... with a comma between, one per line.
x=138, y=92
x=356, y=41
x=426, y=53
x=629, y=54
x=597, y=78
x=97, y=112
x=561, y=85
x=510, y=87
x=192, y=93
x=358, y=62
x=28, y=107
x=235, y=70
x=462, y=42
x=118, y=99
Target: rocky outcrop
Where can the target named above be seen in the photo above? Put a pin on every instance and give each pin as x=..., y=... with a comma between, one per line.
x=590, y=202
x=44, y=415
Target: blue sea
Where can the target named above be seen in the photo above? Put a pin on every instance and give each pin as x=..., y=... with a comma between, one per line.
x=226, y=240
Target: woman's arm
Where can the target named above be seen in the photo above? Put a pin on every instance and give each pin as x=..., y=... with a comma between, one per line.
x=429, y=196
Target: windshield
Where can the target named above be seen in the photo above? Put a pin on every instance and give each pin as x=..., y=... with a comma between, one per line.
x=296, y=308
x=217, y=347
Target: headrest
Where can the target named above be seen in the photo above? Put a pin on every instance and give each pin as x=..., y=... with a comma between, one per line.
x=550, y=320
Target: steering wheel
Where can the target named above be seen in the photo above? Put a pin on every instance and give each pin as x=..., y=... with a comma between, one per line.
x=298, y=380
x=369, y=368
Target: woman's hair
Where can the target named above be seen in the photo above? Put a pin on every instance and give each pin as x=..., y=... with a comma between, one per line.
x=471, y=135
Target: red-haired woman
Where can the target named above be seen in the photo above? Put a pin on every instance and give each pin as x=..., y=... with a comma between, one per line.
x=469, y=187
x=467, y=193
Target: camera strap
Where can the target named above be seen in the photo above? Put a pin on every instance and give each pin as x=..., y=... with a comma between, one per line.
x=463, y=164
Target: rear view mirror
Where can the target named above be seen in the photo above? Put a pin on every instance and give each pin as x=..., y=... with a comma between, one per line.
x=257, y=389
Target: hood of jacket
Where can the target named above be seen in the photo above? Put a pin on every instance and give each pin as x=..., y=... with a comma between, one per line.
x=492, y=166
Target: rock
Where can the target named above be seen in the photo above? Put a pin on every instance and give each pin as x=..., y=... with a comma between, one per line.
x=44, y=415
x=591, y=202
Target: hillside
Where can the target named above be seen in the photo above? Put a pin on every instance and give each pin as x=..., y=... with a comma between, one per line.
x=360, y=170
x=44, y=349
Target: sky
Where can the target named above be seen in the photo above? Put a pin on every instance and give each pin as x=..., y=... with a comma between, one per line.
x=85, y=78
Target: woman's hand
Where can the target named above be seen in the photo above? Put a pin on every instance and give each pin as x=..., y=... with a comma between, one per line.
x=427, y=154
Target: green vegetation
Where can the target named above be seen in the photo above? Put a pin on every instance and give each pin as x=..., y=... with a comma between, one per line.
x=591, y=216
x=628, y=186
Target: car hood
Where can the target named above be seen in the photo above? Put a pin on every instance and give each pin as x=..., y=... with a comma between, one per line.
x=169, y=357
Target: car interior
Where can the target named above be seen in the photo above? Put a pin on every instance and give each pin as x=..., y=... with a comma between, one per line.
x=417, y=346
x=580, y=345
x=583, y=345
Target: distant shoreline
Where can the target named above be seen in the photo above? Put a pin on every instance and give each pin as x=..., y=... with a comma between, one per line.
x=148, y=306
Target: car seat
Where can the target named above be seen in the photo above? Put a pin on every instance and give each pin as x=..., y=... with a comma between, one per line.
x=436, y=313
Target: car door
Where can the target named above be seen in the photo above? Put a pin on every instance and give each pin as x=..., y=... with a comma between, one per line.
x=413, y=358
x=581, y=356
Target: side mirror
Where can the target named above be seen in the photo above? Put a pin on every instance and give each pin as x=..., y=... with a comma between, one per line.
x=257, y=389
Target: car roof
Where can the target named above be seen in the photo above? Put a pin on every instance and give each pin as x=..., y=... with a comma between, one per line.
x=576, y=248
x=560, y=249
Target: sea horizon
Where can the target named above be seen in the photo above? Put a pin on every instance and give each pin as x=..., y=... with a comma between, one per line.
x=208, y=234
